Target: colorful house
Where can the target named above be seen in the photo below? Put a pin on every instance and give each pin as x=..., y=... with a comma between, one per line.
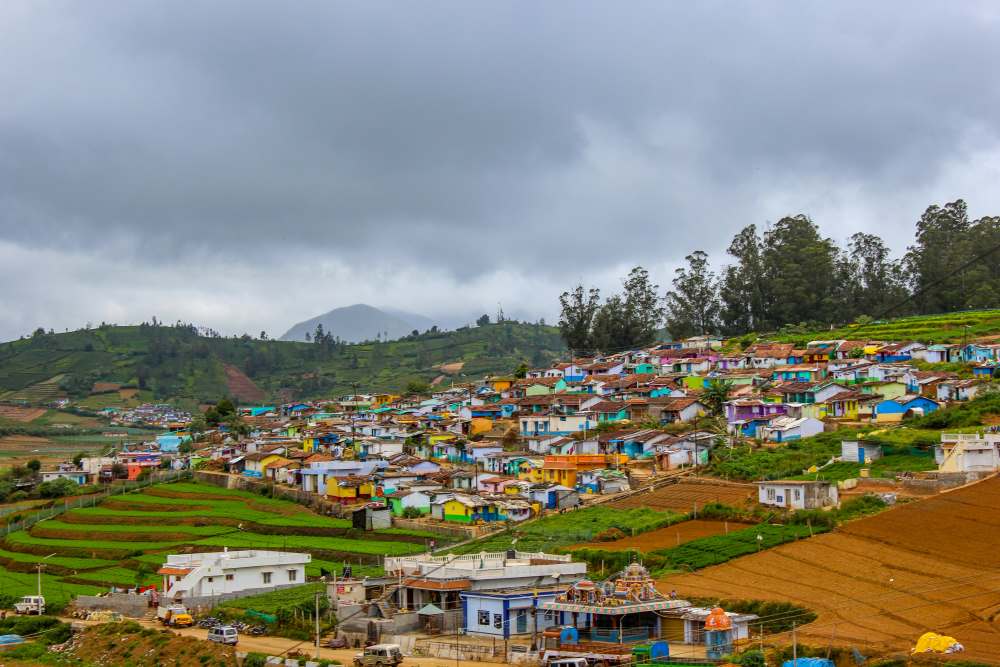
x=350, y=490
x=462, y=508
x=894, y=409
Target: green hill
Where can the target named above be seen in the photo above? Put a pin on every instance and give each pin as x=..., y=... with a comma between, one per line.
x=944, y=328
x=176, y=362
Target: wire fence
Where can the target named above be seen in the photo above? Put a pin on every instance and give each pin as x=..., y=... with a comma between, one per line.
x=92, y=500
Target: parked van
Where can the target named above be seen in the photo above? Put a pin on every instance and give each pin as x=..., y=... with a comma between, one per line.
x=223, y=634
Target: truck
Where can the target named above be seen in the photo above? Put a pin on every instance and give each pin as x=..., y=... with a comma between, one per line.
x=30, y=604
x=379, y=655
x=175, y=616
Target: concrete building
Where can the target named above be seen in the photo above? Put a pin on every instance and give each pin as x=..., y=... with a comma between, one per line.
x=797, y=495
x=968, y=452
x=227, y=572
x=505, y=583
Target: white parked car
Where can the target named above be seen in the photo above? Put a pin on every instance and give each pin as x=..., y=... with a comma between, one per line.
x=223, y=634
x=30, y=604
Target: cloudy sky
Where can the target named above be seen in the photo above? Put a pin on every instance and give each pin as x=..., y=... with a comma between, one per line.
x=246, y=165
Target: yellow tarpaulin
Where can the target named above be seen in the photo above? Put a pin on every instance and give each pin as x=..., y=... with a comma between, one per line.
x=932, y=642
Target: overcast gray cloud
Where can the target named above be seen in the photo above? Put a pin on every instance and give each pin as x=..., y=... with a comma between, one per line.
x=246, y=165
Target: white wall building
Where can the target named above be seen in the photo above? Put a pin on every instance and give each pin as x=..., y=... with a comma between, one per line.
x=797, y=495
x=224, y=572
x=453, y=582
x=968, y=452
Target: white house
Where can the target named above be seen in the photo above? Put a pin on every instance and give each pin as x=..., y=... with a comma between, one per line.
x=495, y=590
x=968, y=452
x=784, y=429
x=797, y=495
x=225, y=572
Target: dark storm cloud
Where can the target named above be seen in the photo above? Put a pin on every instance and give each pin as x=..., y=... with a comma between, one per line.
x=477, y=137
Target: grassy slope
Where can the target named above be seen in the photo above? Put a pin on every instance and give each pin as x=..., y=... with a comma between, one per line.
x=75, y=543
x=177, y=363
x=948, y=327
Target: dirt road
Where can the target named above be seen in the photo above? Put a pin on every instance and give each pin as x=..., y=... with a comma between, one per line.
x=279, y=645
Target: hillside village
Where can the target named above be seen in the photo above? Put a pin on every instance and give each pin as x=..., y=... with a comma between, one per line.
x=520, y=464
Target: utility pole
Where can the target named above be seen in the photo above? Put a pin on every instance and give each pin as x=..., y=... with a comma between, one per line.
x=317, y=624
x=795, y=647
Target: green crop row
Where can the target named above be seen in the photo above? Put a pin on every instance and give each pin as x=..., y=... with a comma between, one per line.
x=57, y=592
x=68, y=562
x=559, y=530
x=23, y=537
x=125, y=529
x=243, y=540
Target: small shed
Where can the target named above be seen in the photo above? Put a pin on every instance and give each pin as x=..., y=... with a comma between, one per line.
x=859, y=451
x=373, y=516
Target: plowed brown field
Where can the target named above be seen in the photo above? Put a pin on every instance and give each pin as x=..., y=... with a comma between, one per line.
x=664, y=538
x=19, y=414
x=688, y=494
x=880, y=582
x=241, y=386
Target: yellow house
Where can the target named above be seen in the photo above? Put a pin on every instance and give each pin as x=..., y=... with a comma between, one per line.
x=526, y=470
x=500, y=384
x=479, y=425
x=378, y=400
x=350, y=490
x=308, y=444
x=256, y=464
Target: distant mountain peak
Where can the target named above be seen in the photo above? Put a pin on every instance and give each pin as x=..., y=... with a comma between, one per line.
x=360, y=322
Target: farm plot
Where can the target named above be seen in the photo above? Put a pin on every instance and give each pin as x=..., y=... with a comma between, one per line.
x=120, y=541
x=560, y=530
x=880, y=582
x=688, y=495
x=17, y=413
x=664, y=538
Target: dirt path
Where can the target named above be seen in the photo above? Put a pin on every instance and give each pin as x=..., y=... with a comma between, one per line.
x=280, y=645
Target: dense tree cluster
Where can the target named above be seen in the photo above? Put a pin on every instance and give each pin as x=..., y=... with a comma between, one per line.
x=624, y=320
x=790, y=274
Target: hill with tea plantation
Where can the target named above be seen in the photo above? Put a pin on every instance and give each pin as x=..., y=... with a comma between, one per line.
x=179, y=362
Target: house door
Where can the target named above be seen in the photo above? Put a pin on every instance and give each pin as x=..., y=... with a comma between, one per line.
x=522, y=621
x=861, y=454
x=788, y=497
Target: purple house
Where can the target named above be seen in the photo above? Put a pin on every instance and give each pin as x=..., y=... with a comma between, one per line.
x=747, y=415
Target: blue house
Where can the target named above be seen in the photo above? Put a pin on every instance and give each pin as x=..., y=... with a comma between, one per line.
x=170, y=442
x=506, y=613
x=893, y=409
x=978, y=353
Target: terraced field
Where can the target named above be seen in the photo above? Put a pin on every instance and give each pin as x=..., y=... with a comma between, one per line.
x=688, y=495
x=880, y=582
x=125, y=538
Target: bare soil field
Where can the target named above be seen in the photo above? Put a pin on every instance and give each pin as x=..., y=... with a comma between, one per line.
x=664, y=538
x=880, y=582
x=19, y=449
x=20, y=414
x=241, y=386
x=689, y=494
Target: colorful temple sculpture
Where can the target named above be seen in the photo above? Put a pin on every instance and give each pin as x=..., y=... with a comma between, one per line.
x=609, y=618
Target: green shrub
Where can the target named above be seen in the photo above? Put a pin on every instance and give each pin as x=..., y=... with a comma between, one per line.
x=26, y=651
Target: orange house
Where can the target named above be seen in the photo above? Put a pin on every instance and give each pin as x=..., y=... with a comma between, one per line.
x=563, y=469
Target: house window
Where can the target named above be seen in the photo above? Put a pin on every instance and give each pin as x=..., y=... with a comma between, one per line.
x=211, y=579
x=292, y=574
x=798, y=494
x=266, y=576
x=484, y=617
x=498, y=621
x=229, y=577
x=770, y=494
